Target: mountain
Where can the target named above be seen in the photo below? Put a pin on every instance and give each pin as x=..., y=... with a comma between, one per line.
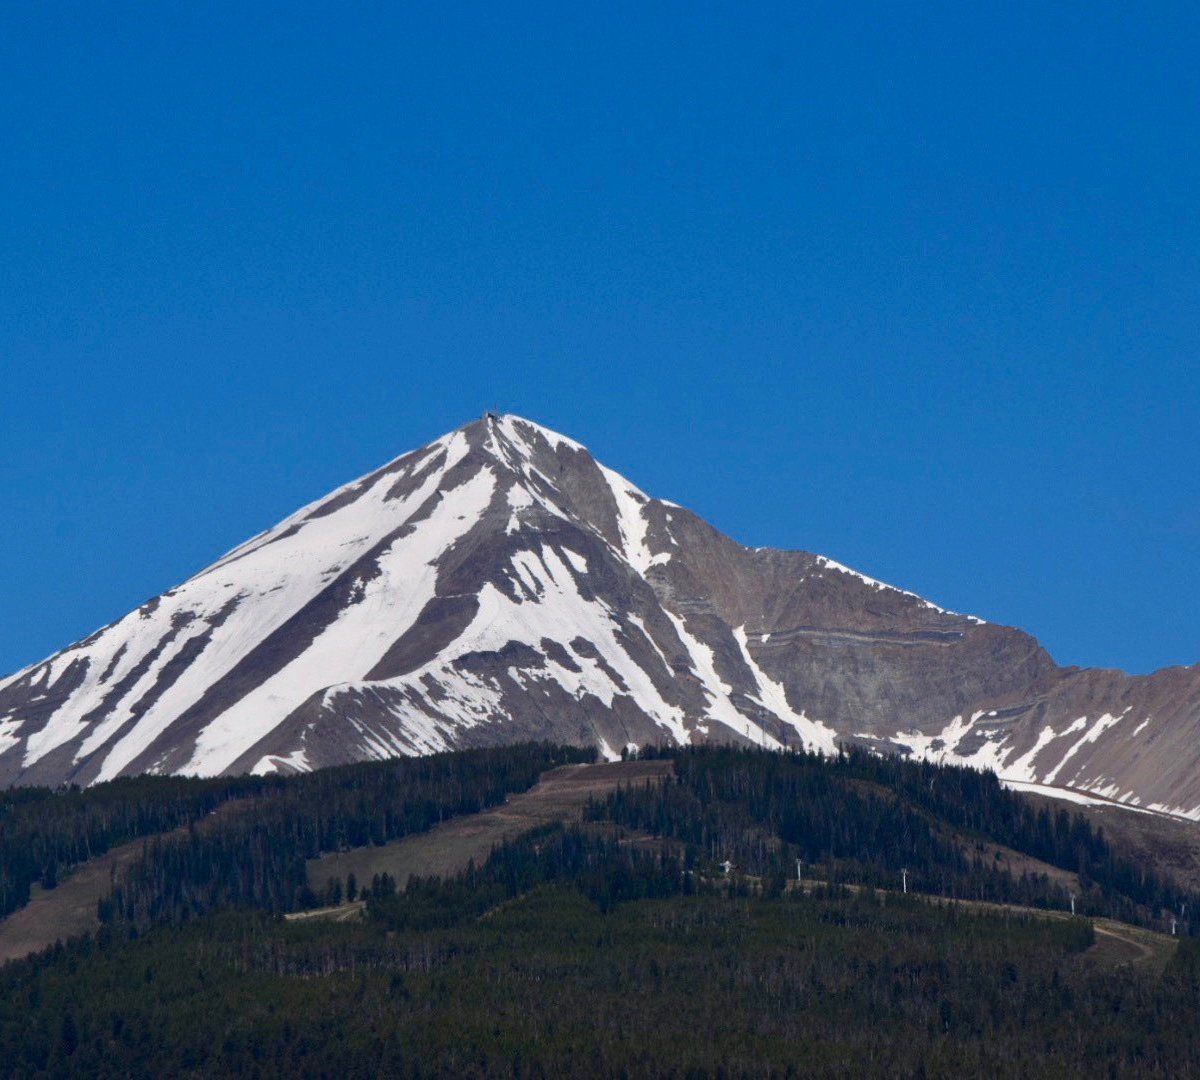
x=500, y=584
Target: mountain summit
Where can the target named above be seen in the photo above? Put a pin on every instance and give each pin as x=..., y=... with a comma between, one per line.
x=500, y=584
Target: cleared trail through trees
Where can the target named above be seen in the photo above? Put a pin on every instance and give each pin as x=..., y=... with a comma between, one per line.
x=560, y=795
x=66, y=911
x=70, y=909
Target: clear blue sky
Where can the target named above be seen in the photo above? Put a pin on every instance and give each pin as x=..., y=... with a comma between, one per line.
x=916, y=286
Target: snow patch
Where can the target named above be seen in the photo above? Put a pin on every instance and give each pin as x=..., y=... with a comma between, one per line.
x=636, y=620
x=511, y=427
x=1066, y=794
x=773, y=697
x=8, y=734
x=518, y=498
x=631, y=521
x=830, y=564
x=1094, y=733
x=720, y=708
x=576, y=560
x=275, y=763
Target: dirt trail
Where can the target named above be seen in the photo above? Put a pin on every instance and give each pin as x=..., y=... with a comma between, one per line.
x=341, y=913
x=560, y=795
x=1117, y=943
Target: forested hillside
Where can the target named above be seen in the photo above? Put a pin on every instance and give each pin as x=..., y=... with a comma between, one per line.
x=665, y=934
x=862, y=818
x=855, y=819
x=44, y=832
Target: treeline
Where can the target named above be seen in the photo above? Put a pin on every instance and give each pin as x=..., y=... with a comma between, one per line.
x=255, y=856
x=865, y=819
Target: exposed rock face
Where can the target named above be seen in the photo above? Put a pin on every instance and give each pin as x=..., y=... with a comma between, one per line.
x=499, y=584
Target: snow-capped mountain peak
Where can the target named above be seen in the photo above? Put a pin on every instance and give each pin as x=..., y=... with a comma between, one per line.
x=500, y=584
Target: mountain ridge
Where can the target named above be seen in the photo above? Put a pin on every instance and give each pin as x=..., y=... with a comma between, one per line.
x=499, y=584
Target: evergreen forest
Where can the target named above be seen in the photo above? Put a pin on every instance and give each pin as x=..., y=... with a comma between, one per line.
x=746, y=915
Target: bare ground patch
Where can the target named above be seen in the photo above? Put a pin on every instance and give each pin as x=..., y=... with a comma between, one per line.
x=1017, y=863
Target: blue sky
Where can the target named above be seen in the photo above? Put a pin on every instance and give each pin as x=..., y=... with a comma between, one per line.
x=915, y=286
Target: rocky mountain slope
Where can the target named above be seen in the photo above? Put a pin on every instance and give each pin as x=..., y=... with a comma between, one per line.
x=500, y=584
